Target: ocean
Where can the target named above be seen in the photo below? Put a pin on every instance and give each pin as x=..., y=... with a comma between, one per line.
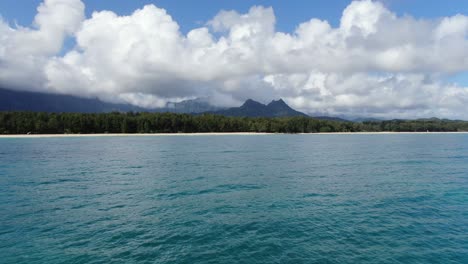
x=357, y=198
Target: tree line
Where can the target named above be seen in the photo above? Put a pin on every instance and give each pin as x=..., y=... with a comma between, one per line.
x=80, y=123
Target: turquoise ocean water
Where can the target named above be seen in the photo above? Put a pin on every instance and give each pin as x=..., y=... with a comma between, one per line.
x=235, y=199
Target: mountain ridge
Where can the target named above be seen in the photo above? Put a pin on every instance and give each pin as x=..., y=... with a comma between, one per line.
x=252, y=108
x=11, y=100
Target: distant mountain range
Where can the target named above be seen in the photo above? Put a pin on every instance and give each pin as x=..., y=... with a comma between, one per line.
x=194, y=106
x=54, y=103
x=44, y=102
x=252, y=108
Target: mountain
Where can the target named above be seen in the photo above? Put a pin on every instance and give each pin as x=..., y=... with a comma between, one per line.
x=43, y=102
x=252, y=108
x=280, y=108
x=194, y=106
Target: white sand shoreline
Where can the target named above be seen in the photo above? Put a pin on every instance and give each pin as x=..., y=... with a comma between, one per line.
x=214, y=134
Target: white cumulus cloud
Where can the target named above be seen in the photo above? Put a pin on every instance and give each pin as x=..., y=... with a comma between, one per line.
x=24, y=51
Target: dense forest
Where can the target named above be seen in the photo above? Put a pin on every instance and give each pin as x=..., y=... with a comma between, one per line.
x=52, y=123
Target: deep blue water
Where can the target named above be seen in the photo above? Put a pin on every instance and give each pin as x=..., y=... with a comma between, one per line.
x=235, y=199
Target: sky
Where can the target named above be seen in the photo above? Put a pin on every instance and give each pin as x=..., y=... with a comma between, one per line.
x=383, y=59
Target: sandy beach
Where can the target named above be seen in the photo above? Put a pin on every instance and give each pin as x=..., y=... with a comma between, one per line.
x=213, y=134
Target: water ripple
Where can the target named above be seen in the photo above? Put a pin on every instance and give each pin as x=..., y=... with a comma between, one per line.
x=269, y=199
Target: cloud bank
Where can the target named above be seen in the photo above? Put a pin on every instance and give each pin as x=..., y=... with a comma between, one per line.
x=374, y=63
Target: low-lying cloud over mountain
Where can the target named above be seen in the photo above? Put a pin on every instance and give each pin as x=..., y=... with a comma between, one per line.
x=374, y=64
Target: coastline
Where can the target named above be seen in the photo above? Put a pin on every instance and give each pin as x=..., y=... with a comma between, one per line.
x=215, y=134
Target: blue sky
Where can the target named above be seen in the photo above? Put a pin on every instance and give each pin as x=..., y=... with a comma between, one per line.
x=388, y=58
x=289, y=14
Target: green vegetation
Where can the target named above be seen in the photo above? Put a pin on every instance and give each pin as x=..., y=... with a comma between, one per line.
x=52, y=123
